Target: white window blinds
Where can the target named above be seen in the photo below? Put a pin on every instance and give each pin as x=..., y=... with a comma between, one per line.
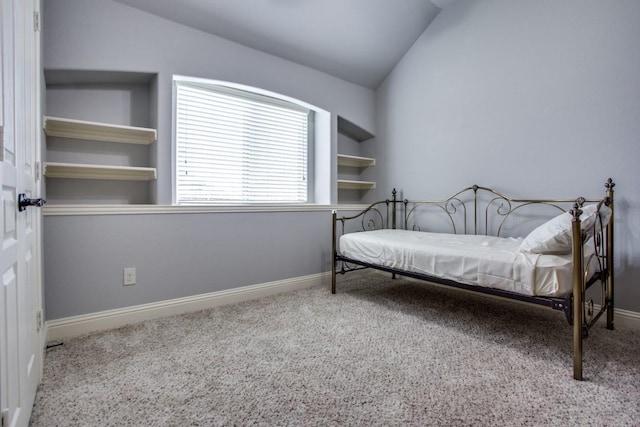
x=239, y=147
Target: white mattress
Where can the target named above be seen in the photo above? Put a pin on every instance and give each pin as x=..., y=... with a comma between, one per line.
x=493, y=262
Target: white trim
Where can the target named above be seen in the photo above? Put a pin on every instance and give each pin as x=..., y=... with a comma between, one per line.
x=244, y=88
x=93, y=322
x=72, y=210
x=103, y=320
x=624, y=318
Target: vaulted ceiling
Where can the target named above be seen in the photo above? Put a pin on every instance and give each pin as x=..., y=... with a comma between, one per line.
x=356, y=40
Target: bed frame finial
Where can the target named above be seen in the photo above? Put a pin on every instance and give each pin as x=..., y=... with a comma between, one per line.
x=393, y=212
x=576, y=211
x=609, y=184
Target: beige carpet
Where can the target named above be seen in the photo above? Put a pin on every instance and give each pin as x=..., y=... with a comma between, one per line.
x=380, y=352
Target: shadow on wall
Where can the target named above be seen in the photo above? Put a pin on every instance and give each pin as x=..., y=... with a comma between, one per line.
x=626, y=271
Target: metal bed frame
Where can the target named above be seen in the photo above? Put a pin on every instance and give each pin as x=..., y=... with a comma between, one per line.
x=462, y=214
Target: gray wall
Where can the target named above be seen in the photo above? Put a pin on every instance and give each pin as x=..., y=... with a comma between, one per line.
x=175, y=255
x=178, y=254
x=532, y=98
x=536, y=99
x=109, y=36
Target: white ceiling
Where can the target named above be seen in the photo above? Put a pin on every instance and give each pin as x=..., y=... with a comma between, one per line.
x=357, y=40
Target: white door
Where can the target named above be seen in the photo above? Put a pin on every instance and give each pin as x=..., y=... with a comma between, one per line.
x=21, y=336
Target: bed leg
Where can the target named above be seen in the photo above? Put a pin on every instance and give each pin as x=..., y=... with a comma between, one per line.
x=334, y=251
x=334, y=273
x=333, y=279
x=578, y=292
x=609, y=245
x=610, y=323
x=610, y=306
x=609, y=287
x=577, y=336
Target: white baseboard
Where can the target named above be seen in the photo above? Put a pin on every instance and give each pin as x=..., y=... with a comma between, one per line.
x=73, y=326
x=59, y=329
x=626, y=319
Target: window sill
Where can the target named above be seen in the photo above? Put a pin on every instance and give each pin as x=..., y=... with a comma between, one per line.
x=74, y=210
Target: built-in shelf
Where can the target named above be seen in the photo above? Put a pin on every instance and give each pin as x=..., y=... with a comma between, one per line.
x=355, y=161
x=351, y=186
x=101, y=137
x=352, y=130
x=345, y=184
x=96, y=131
x=81, y=171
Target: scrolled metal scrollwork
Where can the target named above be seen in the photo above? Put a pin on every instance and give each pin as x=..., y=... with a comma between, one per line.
x=588, y=312
x=449, y=207
x=503, y=209
x=372, y=219
x=587, y=267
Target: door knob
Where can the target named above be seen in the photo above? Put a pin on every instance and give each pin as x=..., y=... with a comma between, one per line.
x=24, y=202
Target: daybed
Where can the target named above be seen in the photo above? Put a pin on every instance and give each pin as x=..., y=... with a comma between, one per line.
x=470, y=241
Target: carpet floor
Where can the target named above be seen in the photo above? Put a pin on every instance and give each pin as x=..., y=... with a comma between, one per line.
x=379, y=352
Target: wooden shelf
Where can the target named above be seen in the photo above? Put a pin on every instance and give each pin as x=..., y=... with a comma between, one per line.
x=81, y=171
x=344, y=184
x=355, y=161
x=95, y=131
x=352, y=130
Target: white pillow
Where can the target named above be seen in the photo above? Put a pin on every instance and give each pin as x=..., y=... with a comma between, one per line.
x=554, y=236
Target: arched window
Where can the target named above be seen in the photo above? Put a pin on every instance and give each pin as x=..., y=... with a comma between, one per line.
x=235, y=146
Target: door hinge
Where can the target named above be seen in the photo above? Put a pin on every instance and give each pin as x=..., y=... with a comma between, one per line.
x=38, y=171
x=36, y=21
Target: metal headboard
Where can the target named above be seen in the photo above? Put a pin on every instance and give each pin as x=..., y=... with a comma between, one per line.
x=477, y=210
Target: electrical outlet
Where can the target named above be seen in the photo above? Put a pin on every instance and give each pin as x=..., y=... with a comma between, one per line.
x=129, y=276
